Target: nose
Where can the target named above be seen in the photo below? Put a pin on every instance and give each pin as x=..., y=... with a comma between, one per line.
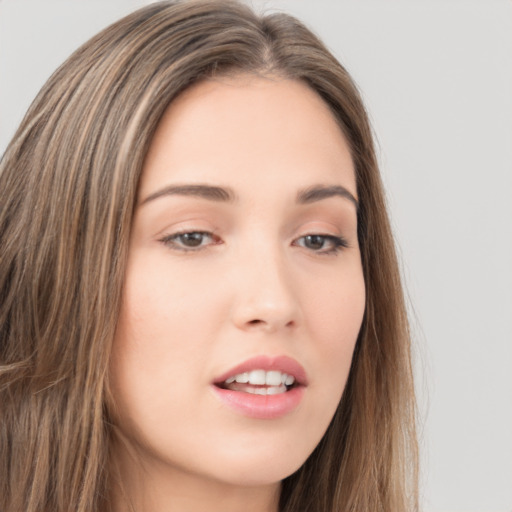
x=265, y=299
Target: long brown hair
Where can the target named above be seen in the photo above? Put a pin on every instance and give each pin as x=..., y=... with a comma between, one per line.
x=68, y=184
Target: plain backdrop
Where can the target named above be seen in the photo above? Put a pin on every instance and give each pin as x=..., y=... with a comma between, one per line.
x=436, y=76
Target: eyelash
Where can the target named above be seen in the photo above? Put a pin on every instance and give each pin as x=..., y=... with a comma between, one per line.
x=337, y=243
x=172, y=241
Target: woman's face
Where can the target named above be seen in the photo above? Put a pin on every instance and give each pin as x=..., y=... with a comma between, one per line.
x=244, y=290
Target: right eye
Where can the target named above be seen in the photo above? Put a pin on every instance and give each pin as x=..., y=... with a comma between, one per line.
x=190, y=240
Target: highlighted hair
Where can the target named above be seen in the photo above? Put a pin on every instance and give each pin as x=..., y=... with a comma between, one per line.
x=68, y=183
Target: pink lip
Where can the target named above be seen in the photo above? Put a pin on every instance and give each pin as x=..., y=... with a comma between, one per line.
x=264, y=406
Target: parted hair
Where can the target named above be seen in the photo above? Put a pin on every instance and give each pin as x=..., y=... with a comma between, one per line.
x=68, y=187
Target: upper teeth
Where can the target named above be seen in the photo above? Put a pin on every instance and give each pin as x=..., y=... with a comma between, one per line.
x=261, y=377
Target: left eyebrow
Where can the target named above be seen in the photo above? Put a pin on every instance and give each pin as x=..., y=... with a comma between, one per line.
x=319, y=192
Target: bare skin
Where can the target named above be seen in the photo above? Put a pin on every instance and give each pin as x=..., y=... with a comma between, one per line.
x=244, y=244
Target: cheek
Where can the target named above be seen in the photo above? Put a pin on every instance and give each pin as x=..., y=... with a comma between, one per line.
x=163, y=303
x=150, y=342
x=335, y=309
x=165, y=330
x=335, y=316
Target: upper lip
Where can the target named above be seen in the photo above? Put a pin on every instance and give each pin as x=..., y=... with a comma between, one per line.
x=283, y=364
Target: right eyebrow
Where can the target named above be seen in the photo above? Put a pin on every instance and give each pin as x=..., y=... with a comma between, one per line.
x=210, y=192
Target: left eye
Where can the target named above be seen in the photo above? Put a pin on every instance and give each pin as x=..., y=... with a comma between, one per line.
x=189, y=240
x=323, y=244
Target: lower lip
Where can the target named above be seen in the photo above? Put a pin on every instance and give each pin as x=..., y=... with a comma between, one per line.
x=265, y=407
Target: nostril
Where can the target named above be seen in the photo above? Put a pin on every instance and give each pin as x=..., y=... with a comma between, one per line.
x=258, y=323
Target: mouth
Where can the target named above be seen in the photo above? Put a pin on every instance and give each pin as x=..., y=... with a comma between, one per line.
x=260, y=382
x=263, y=387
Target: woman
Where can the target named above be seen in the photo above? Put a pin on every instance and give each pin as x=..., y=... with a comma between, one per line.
x=201, y=307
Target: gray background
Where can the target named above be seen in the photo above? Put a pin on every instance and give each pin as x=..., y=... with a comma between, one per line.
x=436, y=76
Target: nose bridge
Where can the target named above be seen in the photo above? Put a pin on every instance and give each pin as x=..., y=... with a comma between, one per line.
x=265, y=298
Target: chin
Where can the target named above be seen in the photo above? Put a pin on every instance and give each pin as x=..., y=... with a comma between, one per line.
x=260, y=466
x=261, y=474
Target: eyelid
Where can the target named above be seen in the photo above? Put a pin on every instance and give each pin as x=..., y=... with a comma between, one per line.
x=329, y=240
x=338, y=243
x=321, y=224
x=170, y=240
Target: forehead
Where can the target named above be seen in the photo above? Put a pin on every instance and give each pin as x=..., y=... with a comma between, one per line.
x=235, y=129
